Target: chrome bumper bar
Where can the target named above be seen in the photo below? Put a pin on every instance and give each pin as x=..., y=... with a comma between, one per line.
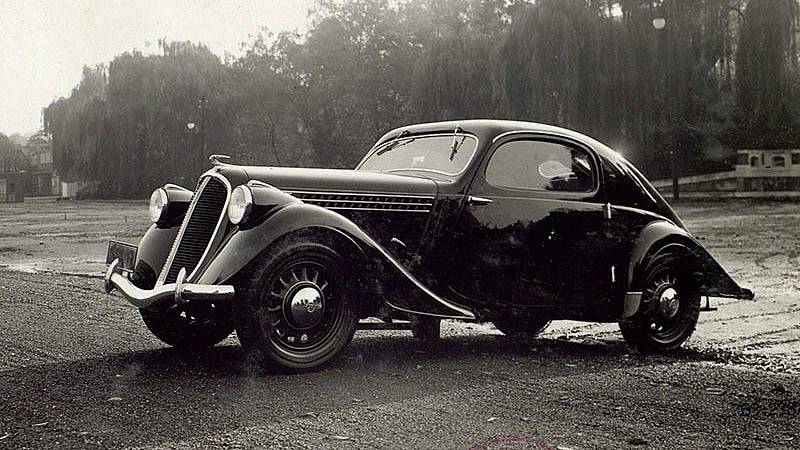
x=179, y=291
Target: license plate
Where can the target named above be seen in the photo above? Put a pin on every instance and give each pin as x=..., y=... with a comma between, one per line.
x=126, y=253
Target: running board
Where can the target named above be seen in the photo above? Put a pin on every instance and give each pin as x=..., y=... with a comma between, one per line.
x=384, y=325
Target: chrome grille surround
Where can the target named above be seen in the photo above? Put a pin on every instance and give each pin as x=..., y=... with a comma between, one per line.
x=191, y=249
x=366, y=201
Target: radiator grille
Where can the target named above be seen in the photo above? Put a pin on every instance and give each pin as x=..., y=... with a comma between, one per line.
x=200, y=225
x=366, y=202
x=143, y=277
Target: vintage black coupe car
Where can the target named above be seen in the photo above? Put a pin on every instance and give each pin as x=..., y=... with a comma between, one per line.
x=477, y=220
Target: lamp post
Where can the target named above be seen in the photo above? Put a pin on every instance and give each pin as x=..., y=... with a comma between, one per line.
x=660, y=23
x=202, y=105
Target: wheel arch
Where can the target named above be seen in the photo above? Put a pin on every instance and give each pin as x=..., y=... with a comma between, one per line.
x=290, y=221
x=151, y=255
x=359, y=262
x=661, y=236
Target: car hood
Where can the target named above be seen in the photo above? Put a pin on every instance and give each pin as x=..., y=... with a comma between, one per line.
x=339, y=180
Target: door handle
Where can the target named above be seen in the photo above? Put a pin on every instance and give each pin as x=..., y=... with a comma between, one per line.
x=478, y=201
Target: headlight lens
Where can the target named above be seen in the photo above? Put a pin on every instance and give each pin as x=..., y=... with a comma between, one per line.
x=158, y=204
x=241, y=204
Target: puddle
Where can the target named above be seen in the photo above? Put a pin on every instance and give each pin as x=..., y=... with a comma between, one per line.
x=22, y=267
x=88, y=269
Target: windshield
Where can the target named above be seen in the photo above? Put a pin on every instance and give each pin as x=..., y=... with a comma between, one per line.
x=446, y=154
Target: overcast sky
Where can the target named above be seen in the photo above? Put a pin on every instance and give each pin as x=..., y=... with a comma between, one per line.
x=45, y=43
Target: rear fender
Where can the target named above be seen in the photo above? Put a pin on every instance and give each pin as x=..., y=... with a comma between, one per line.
x=662, y=236
x=245, y=244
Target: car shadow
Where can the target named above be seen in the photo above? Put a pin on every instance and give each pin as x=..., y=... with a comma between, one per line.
x=164, y=395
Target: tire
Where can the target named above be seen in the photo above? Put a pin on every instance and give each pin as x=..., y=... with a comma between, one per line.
x=524, y=327
x=670, y=306
x=426, y=328
x=197, y=328
x=296, y=314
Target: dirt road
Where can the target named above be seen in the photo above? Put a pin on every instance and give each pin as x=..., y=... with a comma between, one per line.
x=78, y=369
x=45, y=234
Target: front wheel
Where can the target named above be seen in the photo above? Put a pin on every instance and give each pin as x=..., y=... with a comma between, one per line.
x=670, y=307
x=197, y=327
x=296, y=314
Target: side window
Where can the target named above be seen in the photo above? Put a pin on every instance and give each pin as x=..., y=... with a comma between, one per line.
x=541, y=166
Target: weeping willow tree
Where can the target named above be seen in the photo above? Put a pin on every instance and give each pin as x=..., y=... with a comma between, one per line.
x=767, y=65
x=322, y=97
x=11, y=157
x=454, y=81
x=551, y=64
x=76, y=125
x=142, y=120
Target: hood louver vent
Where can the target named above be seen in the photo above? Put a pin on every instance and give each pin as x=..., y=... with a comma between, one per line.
x=366, y=202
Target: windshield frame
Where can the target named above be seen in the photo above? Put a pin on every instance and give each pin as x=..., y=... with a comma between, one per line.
x=419, y=137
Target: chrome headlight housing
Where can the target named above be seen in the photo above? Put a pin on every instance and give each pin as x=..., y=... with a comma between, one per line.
x=240, y=205
x=158, y=204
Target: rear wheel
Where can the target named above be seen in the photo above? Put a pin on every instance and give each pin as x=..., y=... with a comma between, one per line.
x=296, y=314
x=670, y=306
x=521, y=326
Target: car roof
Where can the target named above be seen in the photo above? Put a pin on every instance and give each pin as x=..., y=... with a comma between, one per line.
x=489, y=129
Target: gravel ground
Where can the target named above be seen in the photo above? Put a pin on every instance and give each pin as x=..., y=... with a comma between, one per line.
x=80, y=370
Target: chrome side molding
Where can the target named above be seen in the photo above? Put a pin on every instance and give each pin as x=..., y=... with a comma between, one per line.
x=478, y=201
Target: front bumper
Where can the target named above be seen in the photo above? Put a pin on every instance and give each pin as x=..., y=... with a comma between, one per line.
x=180, y=292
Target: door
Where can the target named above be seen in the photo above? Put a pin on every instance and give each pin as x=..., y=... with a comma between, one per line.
x=532, y=230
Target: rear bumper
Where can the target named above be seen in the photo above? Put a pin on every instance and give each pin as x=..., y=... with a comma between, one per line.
x=178, y=292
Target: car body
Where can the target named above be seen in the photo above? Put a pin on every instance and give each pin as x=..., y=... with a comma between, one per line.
x=478, y=220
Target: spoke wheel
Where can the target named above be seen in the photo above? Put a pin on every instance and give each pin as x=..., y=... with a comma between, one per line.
x=297, y=314
x=670, y=307
x=665, y=324
x=301, y=316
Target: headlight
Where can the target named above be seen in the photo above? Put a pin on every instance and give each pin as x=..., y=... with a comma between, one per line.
x=158, y=204
x=240, y=205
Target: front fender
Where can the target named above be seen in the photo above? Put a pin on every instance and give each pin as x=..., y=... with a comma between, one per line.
x=246, y=244
x=660, y=235
x=152, y=254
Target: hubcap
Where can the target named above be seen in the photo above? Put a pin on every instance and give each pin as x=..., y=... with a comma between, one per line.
x=668, y=301
x=305, y=305
x=302, y=308
x=666, y=324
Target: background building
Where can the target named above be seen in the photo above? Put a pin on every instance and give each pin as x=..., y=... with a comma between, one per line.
x=12, y=187
x=757, y=173
x=13, y=175
x=42, y=179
